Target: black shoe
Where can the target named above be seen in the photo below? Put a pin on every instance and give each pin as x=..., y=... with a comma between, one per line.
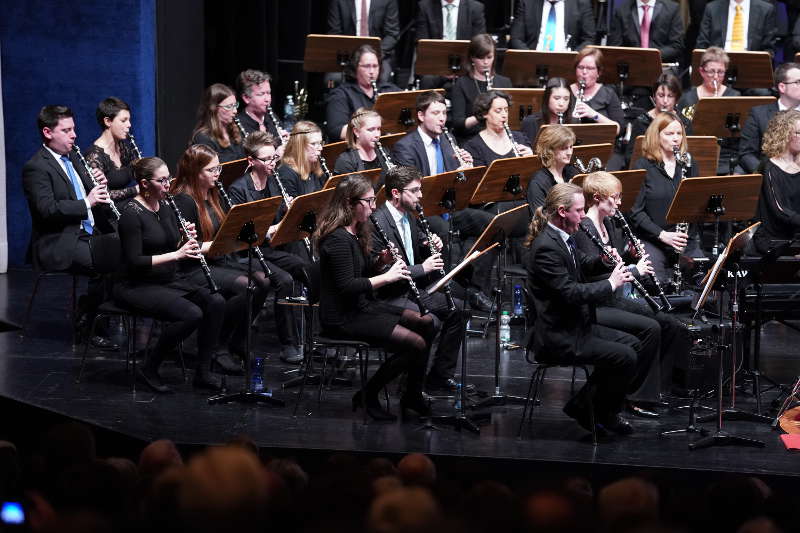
x=480, y=302
x=153, y=380
x=639, y=410
x=374, y=409
x=582, y=417
x=102, y=343
x=416, y=404
x=226, y=364
x=434, y=385
x=618, y=425
x=204, y=380
x=291, y=354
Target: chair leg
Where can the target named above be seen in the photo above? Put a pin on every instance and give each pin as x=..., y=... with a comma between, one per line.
x=364, y=354
x=322, y=373
x=86, y=346
x=30, y=305
x=534, y=376
x=572, y=385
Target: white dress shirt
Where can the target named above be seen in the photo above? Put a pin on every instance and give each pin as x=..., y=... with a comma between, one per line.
x=430, y=150
x=561, y=39
x=639, y=4
x=746, y=20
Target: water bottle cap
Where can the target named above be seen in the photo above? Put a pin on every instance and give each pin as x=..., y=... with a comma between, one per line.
x=504, y=312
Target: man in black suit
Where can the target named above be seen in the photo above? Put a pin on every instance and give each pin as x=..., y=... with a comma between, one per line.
x=716, y=28
x=466, y=19
x=664, y=27
x=787, y=79
x=397, y=220
x=382, y=20
x=67, y=209
x=565, y=330
x=427, y=150
x=574, y=22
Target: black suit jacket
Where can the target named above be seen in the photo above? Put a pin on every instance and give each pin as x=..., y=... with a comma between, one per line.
x=579, y=24
x=752, y=135
x=56, y=212
x=410, y=151
x=564, y=301
x=666, y=28
x=383, y=22
x=430, y=24
x=761, y=31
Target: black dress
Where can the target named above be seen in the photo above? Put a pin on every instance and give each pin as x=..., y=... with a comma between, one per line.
x=541, y=183
x=606, y=102
x=639, y=127
x=463, y=94
x=347, y=307
x=297, y=187
x=778, y=207
x=350, y=161
x=120, y=178
x=232, y=152
x=728, y=149
x=343, y=102
x=482, y=154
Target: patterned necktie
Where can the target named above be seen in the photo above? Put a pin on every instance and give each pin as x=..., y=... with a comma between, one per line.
x=76, y=185
x=406, y=226
x=571, y=246
x=644, y=29
x=363, y=27
x=437, y=146
x=737, y=41
x=550, y=27
x=450, y=23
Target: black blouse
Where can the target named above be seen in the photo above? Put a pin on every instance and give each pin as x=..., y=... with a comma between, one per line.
x=295, y=186
x=606, y=102
x=463, y=94
x=343, y=102
x=250, y=125
x=483, y=155
x=233, y=152
x=345, y=286
x=778, y=207
x=120, y=178
x=350, y=161
x=541, y=183
x=144, y=234
x=649, y=213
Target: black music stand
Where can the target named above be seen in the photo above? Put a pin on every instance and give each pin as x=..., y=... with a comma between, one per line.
x=241, y=228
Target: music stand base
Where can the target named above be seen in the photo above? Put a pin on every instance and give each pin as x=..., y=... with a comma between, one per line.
x=736, y=415
x=459, y=422
x=312, y=379
x=500, y=399
x=721, y=438
x=247, y=397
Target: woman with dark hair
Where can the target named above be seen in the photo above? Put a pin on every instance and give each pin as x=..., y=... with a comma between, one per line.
x=492, y=142
x=480, y=71
x=664, y=174
x=110, y=153
x=554, y=148
x=557, y=104
x=347, y=306
x=198, y=199
x=153, y=283
x=215, y=125
x=356, y=92
x=363, y=130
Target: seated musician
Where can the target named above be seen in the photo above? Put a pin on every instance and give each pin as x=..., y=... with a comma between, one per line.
x=555, y=151
x=153, y=284
x=787, y=81
x=492, y=142
x=664, y=173
x=259, y=183
x=348, y=308
x=568, y=25
x=198, y=200
x=565, y=330
x=113, y=152
x=397, y=218
x=649, y=24
x=215, y=126
x=255, y=91
x=778, y=205
x=662, y=337
x=480, y=61
x=557, y=104
x=363, y=130
x=357, y=92
x=301, y=170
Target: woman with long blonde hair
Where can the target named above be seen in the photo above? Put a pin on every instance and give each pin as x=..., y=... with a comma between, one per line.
x=363, y=130
x=300, y=171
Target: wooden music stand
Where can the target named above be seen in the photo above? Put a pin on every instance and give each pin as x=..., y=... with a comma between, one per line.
x=587, y=151
x=723, y=117
x=635, y=67
x=524, y=102
x=373, y=174
x=260, y=212
x=439, y=57
x=331, y=53
x=631, y=183
x=332, y=151
x=746, y=70
x=704, y=150
x=506, y=179
x=399, y=110
x=587, y=133
x=300, y=220
x=232, y=171
x=444, y=193
x=530, y=68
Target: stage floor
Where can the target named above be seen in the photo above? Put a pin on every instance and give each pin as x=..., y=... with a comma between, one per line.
x=40, y=371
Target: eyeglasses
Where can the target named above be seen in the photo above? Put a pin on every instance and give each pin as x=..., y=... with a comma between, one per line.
x=585, y=67
x=268, y=160
x=163, y=181
x=795, y=82
x=214, y=170
x=413, y=190
x=370, y=201
x=714, y=72
x=230, y=107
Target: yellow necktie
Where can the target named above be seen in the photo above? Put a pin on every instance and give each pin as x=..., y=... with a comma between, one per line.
x=737, y=43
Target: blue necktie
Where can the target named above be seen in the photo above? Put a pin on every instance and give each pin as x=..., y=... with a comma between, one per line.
x=439, y=157
x=76, y=184
x=550, y=28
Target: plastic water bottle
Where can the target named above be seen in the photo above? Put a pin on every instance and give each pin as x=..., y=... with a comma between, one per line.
x=258, y=374
x=288, y=113
x=518, y=306
x=505, y=328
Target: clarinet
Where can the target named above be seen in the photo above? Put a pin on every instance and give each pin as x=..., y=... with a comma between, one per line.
x=511, y=138
x=560, y=118
x=387, y=161
x=681, y=227
x=639, y=247
x=256, y=250
x=451, y=304
x=134, y=146
x=460, y=177
x=488, y=79
x=396, y=257
x=324, y=166
x=375, y=92
x=184, y=227
x=241, y=128
x=581, y=91
x=285, y=195
x=636, y=283
x=111, y=204
x=275, y=123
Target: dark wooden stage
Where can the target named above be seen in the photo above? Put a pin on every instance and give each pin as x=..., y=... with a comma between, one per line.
x=38, y=373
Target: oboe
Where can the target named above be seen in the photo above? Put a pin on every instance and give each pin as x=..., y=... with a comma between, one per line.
x=111, y=204
x=639, y=247
x=241, y=128
x=451, y=304
x=256, y=250
x=460, y=177
x=277, y=125
x=608, y=255
x=560, y=118
x=184, y=227
x=395, y=258
x=285, y=195
x=511, y=138
x=134, y=146
x=387, y=161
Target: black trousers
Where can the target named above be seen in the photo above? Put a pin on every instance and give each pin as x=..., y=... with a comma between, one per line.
x=96, y=287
